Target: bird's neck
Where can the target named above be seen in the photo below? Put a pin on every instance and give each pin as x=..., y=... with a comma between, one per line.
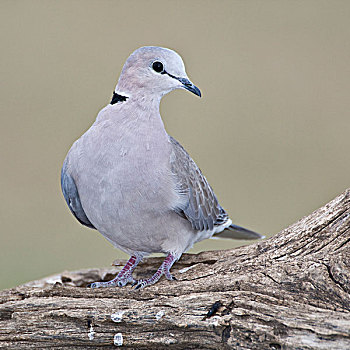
x=144, y=98
x=118, y=98
x=134, y=109
x=144, y=105
x=136, y=124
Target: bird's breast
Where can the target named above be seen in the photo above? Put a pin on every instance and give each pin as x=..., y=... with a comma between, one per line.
x=123, y=176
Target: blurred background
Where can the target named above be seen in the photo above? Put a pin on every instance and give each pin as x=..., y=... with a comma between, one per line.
x=271, y=132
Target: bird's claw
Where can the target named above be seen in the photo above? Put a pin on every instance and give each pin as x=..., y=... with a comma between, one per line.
x=140, y=284
x=134, y=283
x=116, y=282
x=170, y=277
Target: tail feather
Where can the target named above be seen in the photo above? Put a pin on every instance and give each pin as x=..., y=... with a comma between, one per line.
x=238, y=232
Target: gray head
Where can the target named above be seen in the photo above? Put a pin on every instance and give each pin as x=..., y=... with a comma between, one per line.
x=153, y=71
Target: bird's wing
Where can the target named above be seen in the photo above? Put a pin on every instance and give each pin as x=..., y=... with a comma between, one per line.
x=71, y=195
x=200, y=205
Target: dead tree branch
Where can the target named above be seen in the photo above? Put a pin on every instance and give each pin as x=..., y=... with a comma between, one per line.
x=291, y=291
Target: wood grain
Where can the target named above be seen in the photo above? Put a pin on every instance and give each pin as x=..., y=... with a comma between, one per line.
x=291, y=291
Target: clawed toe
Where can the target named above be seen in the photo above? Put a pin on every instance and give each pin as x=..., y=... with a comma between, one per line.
x=112, y=283
x=101, y=284
x=144, y=283
x=116, y=282
x=163, y=270
x=134, y=283
x=171, y=278
x=140, y=284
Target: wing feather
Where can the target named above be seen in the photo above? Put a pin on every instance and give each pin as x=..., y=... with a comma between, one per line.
x=201, y=206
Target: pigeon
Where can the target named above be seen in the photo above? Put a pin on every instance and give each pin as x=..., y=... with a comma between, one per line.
x=135, y=184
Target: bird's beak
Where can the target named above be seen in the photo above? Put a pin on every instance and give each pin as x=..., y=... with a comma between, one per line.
x=188, y=85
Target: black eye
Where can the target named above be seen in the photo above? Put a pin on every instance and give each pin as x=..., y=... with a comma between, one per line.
x=158, y=66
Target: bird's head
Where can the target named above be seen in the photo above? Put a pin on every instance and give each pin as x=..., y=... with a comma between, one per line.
x=154, y=71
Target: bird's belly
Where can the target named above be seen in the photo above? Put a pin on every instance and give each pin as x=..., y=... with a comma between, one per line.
x=138, y=225
x=129, y=202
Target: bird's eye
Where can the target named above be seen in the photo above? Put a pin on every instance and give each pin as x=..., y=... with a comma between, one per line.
x=158, y=66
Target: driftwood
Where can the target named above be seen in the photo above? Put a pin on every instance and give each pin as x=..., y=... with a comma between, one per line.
x=291, y=291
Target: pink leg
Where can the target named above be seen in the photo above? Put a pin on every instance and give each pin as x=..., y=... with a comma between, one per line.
x=123, y=277
x=163, y=269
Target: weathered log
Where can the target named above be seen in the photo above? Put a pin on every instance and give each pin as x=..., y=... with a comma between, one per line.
x=291, y=291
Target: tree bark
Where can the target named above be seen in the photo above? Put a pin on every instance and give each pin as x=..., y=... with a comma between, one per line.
x=291, y=291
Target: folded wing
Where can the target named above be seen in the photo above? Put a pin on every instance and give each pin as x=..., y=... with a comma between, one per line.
x=200, y=205
x=71, y=195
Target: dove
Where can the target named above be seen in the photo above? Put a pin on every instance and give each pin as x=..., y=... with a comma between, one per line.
x=135, y=184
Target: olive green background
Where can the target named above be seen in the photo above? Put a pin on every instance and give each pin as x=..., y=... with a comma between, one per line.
x=271, y=132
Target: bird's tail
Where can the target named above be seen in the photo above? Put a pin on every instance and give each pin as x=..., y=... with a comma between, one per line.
x=238, y=232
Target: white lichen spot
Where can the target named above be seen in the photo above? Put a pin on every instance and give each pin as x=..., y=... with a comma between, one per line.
x=159, y=315
x=117, y=316
x=91, y=333
x=170, y=341
x=118, y=339
x=214, y=320
x=185, y=269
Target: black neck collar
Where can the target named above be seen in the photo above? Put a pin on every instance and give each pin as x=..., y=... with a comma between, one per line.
x=118, y=98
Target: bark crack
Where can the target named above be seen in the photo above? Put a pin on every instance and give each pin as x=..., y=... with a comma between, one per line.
x=331, y=276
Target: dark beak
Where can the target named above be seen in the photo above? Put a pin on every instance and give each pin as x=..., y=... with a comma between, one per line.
x=188, y=85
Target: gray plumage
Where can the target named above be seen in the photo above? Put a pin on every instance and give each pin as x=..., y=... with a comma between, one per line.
x=133, y=182
x=201, y=207
x=71, y=195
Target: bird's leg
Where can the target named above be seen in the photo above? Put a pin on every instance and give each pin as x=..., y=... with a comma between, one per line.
x=163, y=269
x=123, y=277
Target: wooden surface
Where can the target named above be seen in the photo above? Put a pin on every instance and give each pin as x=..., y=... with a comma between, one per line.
x=291, y=291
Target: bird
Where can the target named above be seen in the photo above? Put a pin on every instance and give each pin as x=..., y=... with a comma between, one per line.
x=135, y=184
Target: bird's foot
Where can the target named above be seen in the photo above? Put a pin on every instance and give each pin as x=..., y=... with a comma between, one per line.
x=163, y=270
x=116, y=282
x=144, y=283
x=124, y=276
